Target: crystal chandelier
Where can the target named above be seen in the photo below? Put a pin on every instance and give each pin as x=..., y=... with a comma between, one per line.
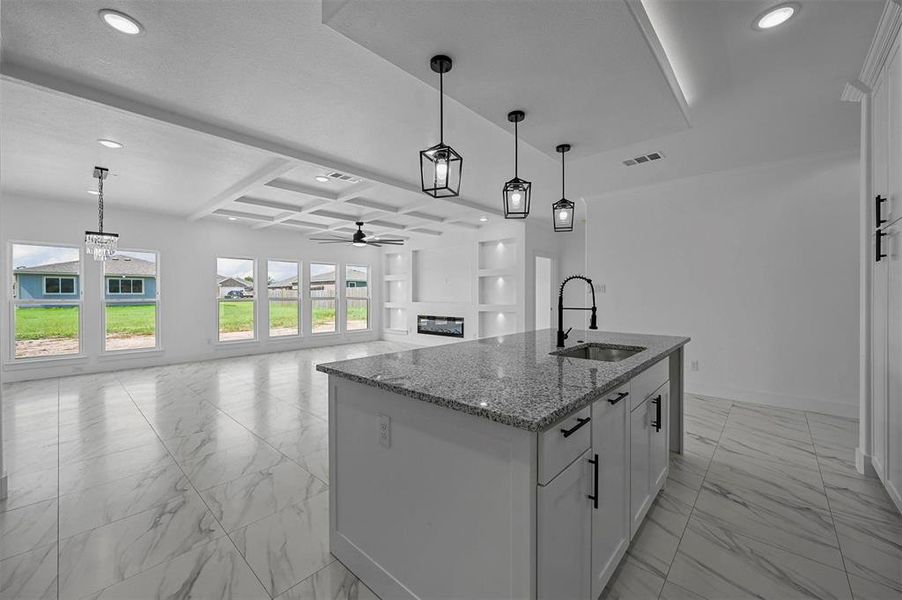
x=97, y=243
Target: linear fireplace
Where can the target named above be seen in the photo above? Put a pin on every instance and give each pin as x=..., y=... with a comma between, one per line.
x=447, y=326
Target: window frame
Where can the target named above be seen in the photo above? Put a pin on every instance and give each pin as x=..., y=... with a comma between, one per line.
x=254, y=310
x=133, y=280
x=156, y=301
x=368, y=297
x=74, y=299
x=334, y=298
x=60, y=283
x=300, y=308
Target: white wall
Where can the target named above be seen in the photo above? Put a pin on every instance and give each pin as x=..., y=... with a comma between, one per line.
x=188, y=252
x=759, y=267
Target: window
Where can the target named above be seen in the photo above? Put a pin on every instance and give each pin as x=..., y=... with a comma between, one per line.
x=282, y=285
x=235, y=295
x=131, y=301
x=124, y=286
x=59, y=285
x=46, y=303
x=357, y=297
x=322, y=297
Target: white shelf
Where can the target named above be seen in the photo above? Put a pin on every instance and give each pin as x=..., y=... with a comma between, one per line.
x=395, y=331
x=498, y=308
x=497, y=273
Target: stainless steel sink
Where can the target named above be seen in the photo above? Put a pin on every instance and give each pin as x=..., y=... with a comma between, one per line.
x=602, y=352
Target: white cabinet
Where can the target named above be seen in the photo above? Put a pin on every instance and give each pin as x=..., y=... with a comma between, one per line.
x=610, y=515
x=640, y=465
x=660, y=434
x=886, y=274
x=564, y=534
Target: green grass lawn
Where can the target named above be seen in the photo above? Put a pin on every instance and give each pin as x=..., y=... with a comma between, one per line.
x=39, y=323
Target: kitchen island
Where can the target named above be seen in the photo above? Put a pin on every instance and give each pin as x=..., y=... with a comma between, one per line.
x=502, y=467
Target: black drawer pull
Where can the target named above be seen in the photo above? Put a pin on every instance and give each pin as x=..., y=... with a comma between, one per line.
x=879, y=200
x=657, y=421
x=579, y=423
x=880, y=235
x=619, y=397
x=594, y=496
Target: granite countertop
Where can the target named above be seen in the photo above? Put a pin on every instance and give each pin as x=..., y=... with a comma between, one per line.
x=510, y=379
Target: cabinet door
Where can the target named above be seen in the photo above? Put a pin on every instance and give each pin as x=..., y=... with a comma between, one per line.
x=893, y=410
x=659, y=407
x=611, y=518
x=564, y=533
x=880, y=120
x=893, y=132
x=879, y=365
x=640, y=467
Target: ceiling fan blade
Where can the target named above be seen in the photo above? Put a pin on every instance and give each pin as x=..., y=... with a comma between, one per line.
x=392, y=242
x=332, y=241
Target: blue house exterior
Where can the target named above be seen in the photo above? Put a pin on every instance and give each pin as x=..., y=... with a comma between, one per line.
x=127, y=280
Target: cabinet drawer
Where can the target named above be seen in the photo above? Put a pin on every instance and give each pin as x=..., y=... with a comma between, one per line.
x=612, y=400
x=561, y=444
x=646, y=382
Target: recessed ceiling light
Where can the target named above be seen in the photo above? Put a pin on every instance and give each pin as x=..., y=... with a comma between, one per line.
x=776, y=15
x=322, y=179
x=233, y=218
x=109, y=143
x=94, y=192
x=483, y=219
x=121, y=22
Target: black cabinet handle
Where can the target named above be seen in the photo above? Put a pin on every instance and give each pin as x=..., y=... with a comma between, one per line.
x=878, y=201
x=657, y=421
x=619, y=397
x=579, y=423
x=594, y=496
x=880, y=235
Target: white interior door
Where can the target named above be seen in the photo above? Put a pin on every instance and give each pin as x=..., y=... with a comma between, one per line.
x=543, y=292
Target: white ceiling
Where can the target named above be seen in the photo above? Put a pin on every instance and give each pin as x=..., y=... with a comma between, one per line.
x=584, y=72
x=215, y=103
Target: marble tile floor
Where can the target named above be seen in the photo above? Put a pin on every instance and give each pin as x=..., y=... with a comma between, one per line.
x=210, y=480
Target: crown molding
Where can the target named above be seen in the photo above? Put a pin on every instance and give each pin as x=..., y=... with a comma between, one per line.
x=885, y=37
x=854, y=91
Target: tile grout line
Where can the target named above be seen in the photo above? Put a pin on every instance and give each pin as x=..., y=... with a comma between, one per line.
x=692, y=510
x=830, y=509
x=193, y=487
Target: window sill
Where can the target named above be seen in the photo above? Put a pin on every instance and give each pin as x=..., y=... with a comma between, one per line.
x=123, y=354
x=33, y=363
x=220, y=345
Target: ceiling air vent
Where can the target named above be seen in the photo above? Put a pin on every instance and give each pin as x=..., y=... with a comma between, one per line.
x=343, y=177
x=644, y=159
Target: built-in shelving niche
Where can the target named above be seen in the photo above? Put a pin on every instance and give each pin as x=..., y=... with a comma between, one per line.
x=396, y=300
x=497, y=285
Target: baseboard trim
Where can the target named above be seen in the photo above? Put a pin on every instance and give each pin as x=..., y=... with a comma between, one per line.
x=863, y=463
x=848, y=410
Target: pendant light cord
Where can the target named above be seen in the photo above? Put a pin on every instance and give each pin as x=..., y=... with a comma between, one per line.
x=563, y=195
x=100, y=203
x=441, y=108
x=516, y=156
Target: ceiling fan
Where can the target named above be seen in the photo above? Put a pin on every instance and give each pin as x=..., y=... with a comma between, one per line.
x=359, y=239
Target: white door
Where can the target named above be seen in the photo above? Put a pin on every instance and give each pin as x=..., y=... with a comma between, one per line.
x=543, y=292
x=610, y=518
x=660, y=433
x=892, y=462
x=640, y=496
x=564, y=535
x=879, y=363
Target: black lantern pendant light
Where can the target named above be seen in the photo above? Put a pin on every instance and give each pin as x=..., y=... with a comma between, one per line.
x=563, y=208
x=516, y=191
x=440, y=165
